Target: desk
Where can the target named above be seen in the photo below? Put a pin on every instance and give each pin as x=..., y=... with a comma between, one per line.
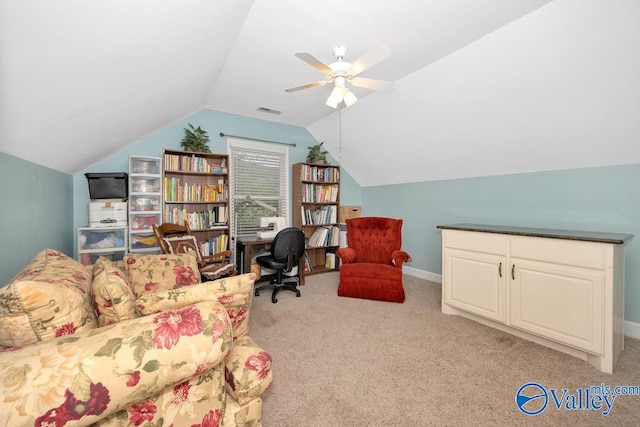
x=249, y=247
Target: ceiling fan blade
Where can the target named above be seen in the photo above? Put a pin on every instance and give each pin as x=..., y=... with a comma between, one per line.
x=379, y=85
x=314, y=62
x=369, y=59
x=308, y=85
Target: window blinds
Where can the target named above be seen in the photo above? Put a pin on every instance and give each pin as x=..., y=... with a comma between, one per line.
x=259, y=172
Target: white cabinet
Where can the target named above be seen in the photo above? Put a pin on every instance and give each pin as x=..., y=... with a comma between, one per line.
x=477, y=283
x=94, y=242
x=145, y=202
x=559, y=290
x=563, y=304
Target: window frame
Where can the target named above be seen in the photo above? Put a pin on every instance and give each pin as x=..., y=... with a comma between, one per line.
x=237, y=146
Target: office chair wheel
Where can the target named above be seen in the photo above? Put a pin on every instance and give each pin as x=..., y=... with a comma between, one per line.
x=273, y=298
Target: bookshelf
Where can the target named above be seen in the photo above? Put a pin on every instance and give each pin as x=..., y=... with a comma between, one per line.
x=316, y=202
x=145, y=200
x=196, y=190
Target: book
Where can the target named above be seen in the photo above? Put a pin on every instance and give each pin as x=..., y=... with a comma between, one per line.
x=330, y=260
x=307, y=262
x=318, y=238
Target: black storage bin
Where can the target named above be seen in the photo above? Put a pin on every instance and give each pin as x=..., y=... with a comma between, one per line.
x=108, y=185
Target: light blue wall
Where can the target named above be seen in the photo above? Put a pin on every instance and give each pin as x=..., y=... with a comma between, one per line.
x=36, y=213
x=214, y=122
x=594, y=199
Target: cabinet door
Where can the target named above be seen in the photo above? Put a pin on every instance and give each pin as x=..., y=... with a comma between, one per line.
x=561, y=303
x=475, y=282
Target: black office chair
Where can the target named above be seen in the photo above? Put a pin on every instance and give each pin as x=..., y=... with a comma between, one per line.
x=286, y=250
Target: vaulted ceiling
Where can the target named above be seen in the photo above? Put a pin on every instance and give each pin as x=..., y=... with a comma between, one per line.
x=482, y=87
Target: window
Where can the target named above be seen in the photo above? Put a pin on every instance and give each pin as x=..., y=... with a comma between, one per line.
x=258, y=184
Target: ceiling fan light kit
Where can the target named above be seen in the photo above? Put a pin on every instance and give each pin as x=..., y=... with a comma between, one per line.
x=341, y=72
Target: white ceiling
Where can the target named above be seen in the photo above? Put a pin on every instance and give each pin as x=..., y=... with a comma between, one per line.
x=483, y=87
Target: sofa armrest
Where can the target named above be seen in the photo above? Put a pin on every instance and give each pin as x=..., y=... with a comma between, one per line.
x=95, y=373
x=398, y=257
x=347, y=255
x=247, y=370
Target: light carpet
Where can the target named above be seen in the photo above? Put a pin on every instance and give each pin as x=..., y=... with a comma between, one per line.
x=352, y=362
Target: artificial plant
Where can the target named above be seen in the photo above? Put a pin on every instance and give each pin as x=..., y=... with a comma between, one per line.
x=195, y=139
x=317, y=154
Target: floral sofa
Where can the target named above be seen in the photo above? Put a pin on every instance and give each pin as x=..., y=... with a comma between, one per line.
x=136, y=342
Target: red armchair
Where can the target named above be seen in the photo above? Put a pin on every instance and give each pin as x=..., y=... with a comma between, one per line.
x=372, y=261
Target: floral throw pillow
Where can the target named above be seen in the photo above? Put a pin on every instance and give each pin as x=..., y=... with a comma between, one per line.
x=49, y=298
x=160, y=272
x=113, y=298
x=234, y=293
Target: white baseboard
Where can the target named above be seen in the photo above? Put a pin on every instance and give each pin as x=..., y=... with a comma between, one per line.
x=422, y=274
x=631, y=329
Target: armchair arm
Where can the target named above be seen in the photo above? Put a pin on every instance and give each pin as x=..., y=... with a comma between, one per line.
x=95, y=373
x=347, y=255
x=398, y=257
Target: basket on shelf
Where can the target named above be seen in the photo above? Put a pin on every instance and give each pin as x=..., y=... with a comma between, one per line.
x=347, y=212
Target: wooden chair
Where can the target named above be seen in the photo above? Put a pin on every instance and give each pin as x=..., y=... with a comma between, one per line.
x=175, y=238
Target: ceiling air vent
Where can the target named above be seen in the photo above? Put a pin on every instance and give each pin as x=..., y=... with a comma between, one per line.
x=269, y=110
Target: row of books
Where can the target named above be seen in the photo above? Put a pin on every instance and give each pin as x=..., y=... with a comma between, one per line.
x=203, y=220
x=214, y=245
x=193, y=163
x=330, y=261
x=323, y=215
x=177, y=191
x=307, y=262
x=320, y=173
x=318, y=193
x=324, y=236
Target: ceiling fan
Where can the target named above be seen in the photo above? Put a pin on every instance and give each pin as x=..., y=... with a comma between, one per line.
x=341, y=72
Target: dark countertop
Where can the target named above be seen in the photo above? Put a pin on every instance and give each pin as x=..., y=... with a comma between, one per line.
x=590, y=236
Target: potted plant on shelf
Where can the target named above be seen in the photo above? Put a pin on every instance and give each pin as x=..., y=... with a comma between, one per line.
x=317, y=154
x=195, y=139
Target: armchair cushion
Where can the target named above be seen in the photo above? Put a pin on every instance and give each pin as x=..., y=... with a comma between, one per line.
x=218, y=270
x=49, y=298
x=113, y=298
x=183, y=244
x=152, y=273
x=371, y=281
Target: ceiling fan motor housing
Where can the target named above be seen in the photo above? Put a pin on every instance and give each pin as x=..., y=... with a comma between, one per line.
x=339, y=52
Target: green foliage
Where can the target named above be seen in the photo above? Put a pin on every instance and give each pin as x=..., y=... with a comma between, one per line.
x=195, y=139
x=317, y=154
